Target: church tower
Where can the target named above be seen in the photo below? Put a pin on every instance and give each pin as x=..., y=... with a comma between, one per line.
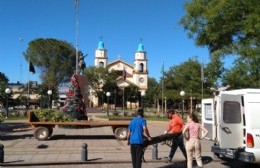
x=101, y=55
x=140, y=68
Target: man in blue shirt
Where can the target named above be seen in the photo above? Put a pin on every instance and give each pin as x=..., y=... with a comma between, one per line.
x=135, y=137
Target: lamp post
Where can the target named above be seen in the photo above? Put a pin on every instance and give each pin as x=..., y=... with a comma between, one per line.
x=7, y=91
x=142, y=98
x=49, y=92
x=115, y=99
x=182, y=93
x=108, y=94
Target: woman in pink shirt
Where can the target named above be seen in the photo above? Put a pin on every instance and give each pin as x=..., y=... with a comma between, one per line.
x=193, y=144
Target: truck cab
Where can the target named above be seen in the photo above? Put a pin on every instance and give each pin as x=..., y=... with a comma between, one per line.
x=232, y=118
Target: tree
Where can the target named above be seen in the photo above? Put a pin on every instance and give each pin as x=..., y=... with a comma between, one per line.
x=3, y=85
x=152, y=92
x=187, y=77
x=213, y=74
x=227, y=28
x=240, y=76
x=101, y=81
x=54, y=58
x=74, y=105
x=132, y=93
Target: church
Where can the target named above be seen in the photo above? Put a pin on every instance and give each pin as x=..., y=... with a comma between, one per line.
x=131, y=74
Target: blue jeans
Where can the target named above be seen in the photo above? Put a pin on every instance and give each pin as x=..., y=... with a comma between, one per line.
x=177, y=142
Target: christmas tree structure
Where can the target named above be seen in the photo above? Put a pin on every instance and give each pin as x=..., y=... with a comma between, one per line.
x=74, y=105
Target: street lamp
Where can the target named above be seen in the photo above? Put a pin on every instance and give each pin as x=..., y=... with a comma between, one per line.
x=142, y=98
x=115, y=99
x=108, y=94
x=49, y=92
x=182, y=93
x=7, y=91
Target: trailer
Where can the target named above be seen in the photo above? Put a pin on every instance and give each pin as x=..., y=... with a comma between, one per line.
x=43, y=130
x=232, y=118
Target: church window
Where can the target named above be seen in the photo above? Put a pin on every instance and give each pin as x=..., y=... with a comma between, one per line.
x=101, y=64
x=141, y=67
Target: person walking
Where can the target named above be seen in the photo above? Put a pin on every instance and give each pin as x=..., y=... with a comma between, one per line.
x=175, y=125
x=135, y=138
x=192, y=141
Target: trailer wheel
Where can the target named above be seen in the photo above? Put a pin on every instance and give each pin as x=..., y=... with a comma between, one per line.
x=121, y=133
x=41, y=133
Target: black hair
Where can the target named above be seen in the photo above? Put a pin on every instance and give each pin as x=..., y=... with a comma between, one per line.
x=140, y=112
x=171, y=111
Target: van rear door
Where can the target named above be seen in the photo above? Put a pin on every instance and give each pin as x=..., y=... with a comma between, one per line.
x=208, y=119
x=231, y=121
x=252, y=109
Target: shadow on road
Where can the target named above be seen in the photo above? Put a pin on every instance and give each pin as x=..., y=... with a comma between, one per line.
x=14, y=137
x=239, y=164
x=183, y=164
x=94, y=137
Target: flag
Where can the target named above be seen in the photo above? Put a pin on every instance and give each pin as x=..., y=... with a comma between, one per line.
x=31, y=67
x=124, y=73
x=202, y=72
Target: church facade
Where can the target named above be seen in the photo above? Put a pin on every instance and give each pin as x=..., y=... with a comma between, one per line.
x=131, y=74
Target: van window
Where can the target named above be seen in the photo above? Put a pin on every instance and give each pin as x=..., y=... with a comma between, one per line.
x=231, y=112
x=208, y=111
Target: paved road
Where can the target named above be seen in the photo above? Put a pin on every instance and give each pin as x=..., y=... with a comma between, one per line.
x=63, y=149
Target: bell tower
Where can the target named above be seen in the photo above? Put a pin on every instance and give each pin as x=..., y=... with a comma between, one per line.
x=140, y=68
x=101, y=55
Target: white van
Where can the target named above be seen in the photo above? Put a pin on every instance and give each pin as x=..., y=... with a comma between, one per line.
x=233, y=120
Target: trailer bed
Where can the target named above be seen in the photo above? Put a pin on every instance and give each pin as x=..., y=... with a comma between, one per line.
x=43, y=130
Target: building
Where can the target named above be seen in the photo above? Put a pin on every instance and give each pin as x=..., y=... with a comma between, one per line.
x=18, y=91
x=136, y=74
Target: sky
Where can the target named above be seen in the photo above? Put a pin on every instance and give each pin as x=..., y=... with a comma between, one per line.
x=121, y=24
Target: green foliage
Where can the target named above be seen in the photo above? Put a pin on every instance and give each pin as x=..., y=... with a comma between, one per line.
x=186, y=76
x=54, y=58
x=132, y=93
x=51, y=115
x=245, y=74
x=1, y=117
x=225, y=26
x=152, y=92
x=102, y=81
x=3, y=85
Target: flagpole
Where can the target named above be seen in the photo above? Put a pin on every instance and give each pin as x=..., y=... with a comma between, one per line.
x=202, y=78
x=124, y=75
x=28, y=82
x=162, y=85
x=77, y=25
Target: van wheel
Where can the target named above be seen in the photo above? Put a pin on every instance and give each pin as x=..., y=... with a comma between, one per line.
x=121, y=133
x=41, y=133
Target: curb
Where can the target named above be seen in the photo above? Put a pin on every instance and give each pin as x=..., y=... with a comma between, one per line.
x=92, y=161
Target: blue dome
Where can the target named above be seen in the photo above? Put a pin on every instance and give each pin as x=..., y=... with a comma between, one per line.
x=140, y=47
x=101, y=45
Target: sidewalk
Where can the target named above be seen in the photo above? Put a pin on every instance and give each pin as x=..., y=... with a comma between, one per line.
x=64, y=148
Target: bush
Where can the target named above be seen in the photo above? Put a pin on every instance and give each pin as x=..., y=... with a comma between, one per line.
x=1, y=117
x=51, y=115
